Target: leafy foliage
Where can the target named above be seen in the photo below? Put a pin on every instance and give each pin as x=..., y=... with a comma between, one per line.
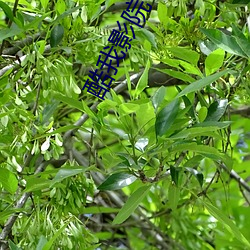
x=161, y=163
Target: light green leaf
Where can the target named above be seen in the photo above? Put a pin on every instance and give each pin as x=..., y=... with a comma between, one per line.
x=13, y=246
x=158, y=97
x=35, y=183
x=197, y=85
x=41, y=243
x=8, y=180
x=70, y=101
x=98, y=210
x=193, y=132
x=228, y=224
x=177, y=74
x=143, y=81
x=173, y=196
x=132, y=203
x=214, y=61
x=186, y=54
x=49, y=244
x=128, y=108
x=66, y=172
x=162, y=12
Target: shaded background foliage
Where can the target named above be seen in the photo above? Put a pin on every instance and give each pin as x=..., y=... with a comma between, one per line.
x=162, y=163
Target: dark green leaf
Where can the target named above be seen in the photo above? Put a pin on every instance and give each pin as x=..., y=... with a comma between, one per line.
x=117, y=181
x=223, y=41
x=216, y=110
x=8, y=180
x=56, y=35
x=198, y=175
x=245, y=2
x=174, y=172
x=166, y=117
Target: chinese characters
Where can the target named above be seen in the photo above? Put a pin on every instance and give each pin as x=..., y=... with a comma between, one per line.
x=99, y=83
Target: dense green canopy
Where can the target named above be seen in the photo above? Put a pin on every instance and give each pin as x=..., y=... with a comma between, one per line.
x=162, y=162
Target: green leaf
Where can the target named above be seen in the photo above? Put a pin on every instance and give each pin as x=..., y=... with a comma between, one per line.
x=214, y=61
x=161, y=11
x=44, y=3
x=197, y=85
x=219, y=125
x=158, y=97
x=98, y=210
x=9, y=211
x=223, y=41
x=117, y=181
x=9, y=32
x=144, y=34
x=143, y=81
x=173, y=196
x=41, y=243
x=245, y=2
x=216, y=110
x=13, y=246
x=35, y=184
x=202, y=114
x=174, y=172
x=166, y=117
x=66, y=172
x=49, y=244
x=128, y=108
x=8, y=180
x=198, y=175
x=227, y=223
x=177, y=74
x=70, y=101
x=186, y=54
x=56, y=35
x=193, y=132
x=7, y=10
x=132, y=203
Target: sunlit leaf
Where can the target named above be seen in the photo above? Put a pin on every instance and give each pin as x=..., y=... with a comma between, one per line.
x=117, y=181
x=8, y=180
